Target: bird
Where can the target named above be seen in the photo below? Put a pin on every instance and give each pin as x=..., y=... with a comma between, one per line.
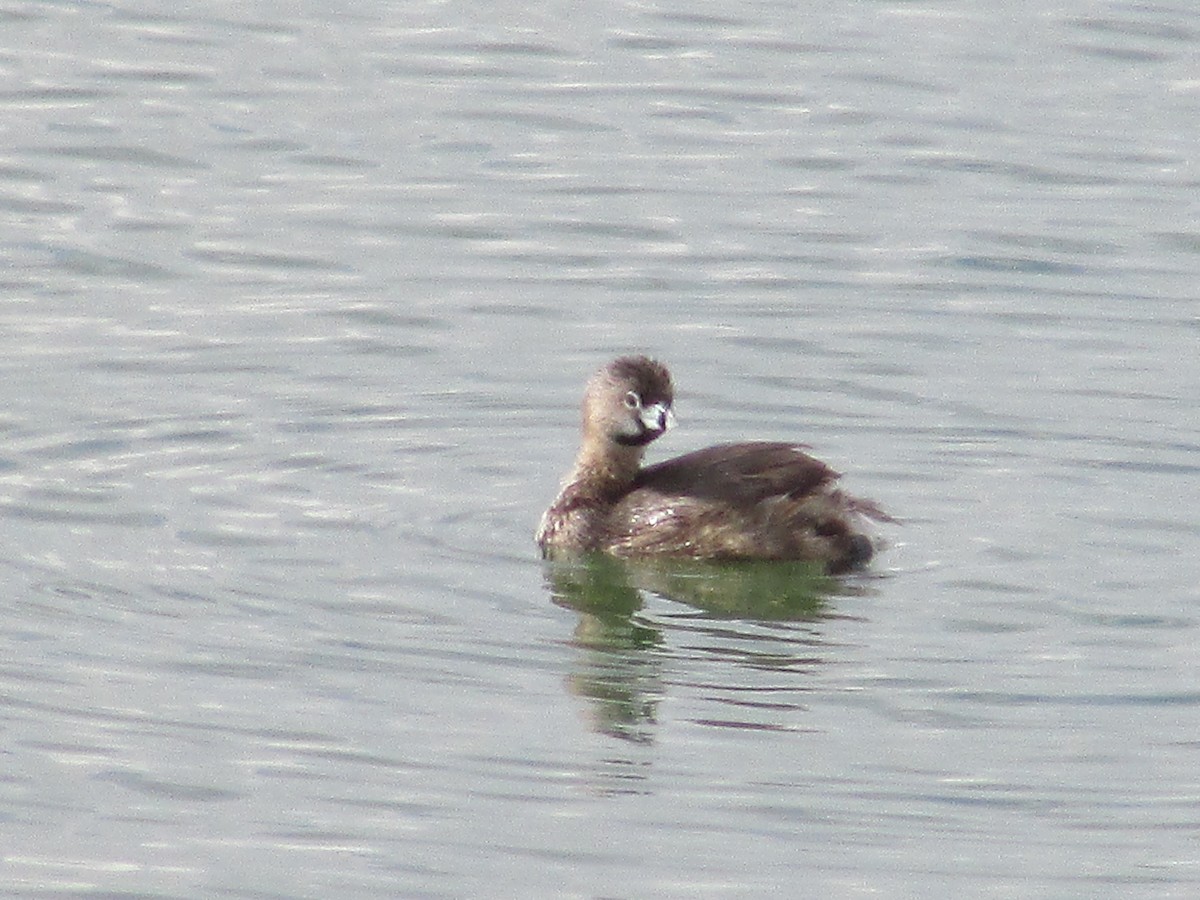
x=754, y=500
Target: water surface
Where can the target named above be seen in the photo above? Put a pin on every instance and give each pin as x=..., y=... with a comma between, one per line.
x=298, y=303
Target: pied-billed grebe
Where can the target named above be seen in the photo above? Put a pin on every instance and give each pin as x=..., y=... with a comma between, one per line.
x=757, y=500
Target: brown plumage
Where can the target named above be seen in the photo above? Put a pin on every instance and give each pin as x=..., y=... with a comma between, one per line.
x=757, y=500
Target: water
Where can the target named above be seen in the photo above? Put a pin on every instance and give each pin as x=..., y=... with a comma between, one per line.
x=297, y=306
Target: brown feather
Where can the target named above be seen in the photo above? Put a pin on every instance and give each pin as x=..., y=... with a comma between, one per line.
x=757, y=500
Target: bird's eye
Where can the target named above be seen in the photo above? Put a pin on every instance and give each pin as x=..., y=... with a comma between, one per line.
x=632, y=400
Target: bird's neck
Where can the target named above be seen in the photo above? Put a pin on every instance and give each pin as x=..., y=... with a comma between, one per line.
x=604, y=467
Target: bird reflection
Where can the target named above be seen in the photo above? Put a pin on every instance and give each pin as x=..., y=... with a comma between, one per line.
x=620, y=674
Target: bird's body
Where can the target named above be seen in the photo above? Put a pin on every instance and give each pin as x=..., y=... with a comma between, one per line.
x=754, y=500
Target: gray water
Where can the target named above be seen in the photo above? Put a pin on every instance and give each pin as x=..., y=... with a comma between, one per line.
x=298, y=300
